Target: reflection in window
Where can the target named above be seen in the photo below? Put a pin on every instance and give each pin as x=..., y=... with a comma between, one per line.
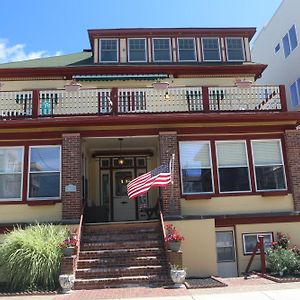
x=44, y=172
x=186, y=49
x=235, y=50
x=161, y=50
x=250, y=240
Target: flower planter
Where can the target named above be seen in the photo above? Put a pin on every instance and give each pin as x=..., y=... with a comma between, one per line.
x=66, y=282
x=174, y=246
x=69, y=251
x=178, y=277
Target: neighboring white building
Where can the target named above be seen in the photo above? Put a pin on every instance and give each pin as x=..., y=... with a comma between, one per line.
x=277, y=45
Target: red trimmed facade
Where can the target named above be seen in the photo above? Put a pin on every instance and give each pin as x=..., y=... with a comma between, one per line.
x=70, y=142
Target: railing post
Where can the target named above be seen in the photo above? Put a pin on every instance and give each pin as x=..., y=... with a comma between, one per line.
x=114, y=100
x=35, y=103
x=282, y=97
x=262, y=254
x=205, y=97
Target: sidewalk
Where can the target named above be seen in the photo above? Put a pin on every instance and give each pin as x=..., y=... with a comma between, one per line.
x=238, y=288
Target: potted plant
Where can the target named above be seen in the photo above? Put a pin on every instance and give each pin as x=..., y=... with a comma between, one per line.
x=178, y=274
x=69, y=245
x=173, y=238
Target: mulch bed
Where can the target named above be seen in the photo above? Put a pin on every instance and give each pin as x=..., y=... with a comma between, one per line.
x=201, y=283
x=279, y=279
x=4, y=291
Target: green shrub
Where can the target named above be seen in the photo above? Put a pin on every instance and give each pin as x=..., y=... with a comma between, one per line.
x=281, y=261
x=31, y=257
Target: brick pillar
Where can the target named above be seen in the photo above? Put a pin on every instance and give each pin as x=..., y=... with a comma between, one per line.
x=168, y=146
x=71, y=177
x=292, y=142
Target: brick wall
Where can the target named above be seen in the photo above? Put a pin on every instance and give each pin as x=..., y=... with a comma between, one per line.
x=71, y=176
x=168, y=146
x=292, y=141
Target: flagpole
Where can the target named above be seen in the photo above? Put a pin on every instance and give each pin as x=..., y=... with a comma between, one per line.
x=172, y=176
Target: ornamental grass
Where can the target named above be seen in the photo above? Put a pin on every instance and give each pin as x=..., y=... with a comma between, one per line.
x=30, y=257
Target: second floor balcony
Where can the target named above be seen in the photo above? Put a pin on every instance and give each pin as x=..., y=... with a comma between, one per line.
x=57, y=103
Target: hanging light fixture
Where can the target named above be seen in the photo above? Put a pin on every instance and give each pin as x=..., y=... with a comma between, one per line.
x=121, y=159
x=160, y=85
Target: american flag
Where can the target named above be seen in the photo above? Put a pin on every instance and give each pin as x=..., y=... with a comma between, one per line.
x=161, y=176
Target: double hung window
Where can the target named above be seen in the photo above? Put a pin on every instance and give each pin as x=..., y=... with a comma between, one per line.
x=250, y=240
x=211, y=49
x=235, y=49
x=108, y=50
x=137, y=50
x=161, y=50
x=290, y=41
x=186, y=49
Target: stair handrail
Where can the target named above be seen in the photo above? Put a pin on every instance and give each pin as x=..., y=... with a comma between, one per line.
x=79, y=233
x=259, y=246
x=162, y=224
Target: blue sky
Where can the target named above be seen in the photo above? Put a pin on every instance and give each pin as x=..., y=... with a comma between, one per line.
x=37, y=28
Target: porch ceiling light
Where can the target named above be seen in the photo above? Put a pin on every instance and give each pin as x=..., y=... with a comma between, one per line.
x=121, y=159
x=72, y=86
x=160, y=85
x=243, y=84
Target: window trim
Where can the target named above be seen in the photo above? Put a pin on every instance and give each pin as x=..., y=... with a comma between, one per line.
x=178, y=52
x=283, y=165
x=128, y=50
x=243, y=48
x=270, y=233
x=153, y=49
x=60, y=173
x=117, y=50
x=211, y=169
x=217, y=166
x=202, y=49
x=21, y=172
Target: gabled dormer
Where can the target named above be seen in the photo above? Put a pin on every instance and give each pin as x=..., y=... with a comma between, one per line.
x=171, y=45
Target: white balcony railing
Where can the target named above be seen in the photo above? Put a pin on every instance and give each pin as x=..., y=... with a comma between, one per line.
x=50, y=103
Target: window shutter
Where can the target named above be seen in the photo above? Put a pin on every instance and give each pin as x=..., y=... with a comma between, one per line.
x=194, y=155
x=231, y=154
x=266, y=152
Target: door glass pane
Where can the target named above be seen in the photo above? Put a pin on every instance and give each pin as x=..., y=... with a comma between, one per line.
x=225, y=246
x=105, y=190
x=122, y=178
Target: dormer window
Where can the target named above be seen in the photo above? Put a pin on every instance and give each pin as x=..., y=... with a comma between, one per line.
x=235, y=49
x=161, y=50
x=108, y=50
x=137, y=50
x=186, y=49
x=211, y=49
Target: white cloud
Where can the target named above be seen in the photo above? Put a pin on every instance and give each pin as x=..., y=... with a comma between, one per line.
x=18, y=52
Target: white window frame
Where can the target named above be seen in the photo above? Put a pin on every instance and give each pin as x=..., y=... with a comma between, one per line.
x=269, y=233
x=243, y=48
x=108, y=39
x=211, y=169
x=217, y=166
x=233, y=246
x=289, y=42
x=128, y=50
x=283, y=165
x=60, y=172
x=153, y=49
x=21, y=172
x=202, y=48
x=297, y=85
x=195, y=52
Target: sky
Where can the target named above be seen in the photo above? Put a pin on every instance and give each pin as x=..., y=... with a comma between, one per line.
x=38, y=28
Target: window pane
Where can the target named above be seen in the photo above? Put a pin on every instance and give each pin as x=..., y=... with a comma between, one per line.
x=44, y=185
x=294, y=94
x=235, y=49
x=211, y=49
x=250, y=243
x=11, y=160
x=45, y=159
x=231, y=154
x=286, y=46
x=270, y=178
x=225, y=254
x=10, y=186
x=234, y=179
x=196, y=181
x=267, y=152
x=161, y=49
x=186, y=49
x=293, y=37
x=137, y=49
x=194, y=155
x=109, y=50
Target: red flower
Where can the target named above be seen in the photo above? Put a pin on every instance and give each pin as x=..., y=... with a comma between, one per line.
x=70, y=242
x=172, y=234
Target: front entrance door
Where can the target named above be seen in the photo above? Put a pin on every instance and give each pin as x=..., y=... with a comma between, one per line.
x=123, y=208
x=226, y=256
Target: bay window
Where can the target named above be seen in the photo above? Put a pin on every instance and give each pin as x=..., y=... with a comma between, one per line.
x=268, y=165
x=44, y=172
x=196, y=168
x=11, y=169
x=233, y=168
